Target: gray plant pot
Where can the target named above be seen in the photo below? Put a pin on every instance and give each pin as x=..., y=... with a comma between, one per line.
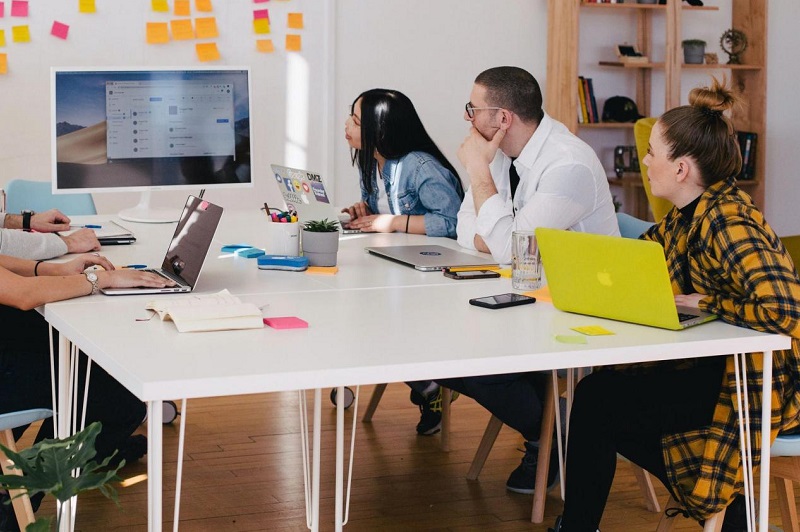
x=693, y=54
x=320, y=248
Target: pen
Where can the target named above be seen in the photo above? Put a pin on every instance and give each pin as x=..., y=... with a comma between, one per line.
x=134, y=266
x=87, y=226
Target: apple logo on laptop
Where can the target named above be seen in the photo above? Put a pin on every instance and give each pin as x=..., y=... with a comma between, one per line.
x=604, y=278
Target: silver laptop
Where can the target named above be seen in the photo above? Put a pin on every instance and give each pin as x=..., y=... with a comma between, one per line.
x=187, y=250
x=430, y=258
x=304, y=193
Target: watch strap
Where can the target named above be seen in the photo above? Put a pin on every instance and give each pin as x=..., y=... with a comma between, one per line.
x=92, y=278
x=26, y=220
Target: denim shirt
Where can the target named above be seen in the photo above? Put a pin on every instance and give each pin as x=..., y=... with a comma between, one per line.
x=417, y=184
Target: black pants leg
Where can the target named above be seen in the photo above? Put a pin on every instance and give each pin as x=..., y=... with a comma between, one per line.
x=616, y=412
x=515, y=398
x=25, y=383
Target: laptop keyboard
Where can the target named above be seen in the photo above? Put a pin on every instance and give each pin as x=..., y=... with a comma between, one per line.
x=164, y=275
x=685, y=317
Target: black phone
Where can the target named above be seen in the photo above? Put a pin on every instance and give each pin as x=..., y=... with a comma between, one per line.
x=502, y=301
x=470, y=274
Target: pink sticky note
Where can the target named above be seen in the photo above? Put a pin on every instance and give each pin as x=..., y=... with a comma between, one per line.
x=19, y=8
x=261, y=13
x=2, y=9
x=286, y=322
x=260, y=1
x=59, y=30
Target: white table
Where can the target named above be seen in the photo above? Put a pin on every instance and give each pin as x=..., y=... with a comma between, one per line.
x=403, y=325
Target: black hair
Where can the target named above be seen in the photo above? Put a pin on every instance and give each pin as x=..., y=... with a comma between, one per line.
x=391, y=126
x=514, y=89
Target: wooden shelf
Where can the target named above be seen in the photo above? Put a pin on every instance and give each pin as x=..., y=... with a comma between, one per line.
x=706, y=66
x=607, y=125
x=620, y=64
x=632, y=5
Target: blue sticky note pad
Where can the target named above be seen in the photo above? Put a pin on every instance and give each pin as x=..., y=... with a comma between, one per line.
x=283, y=262
x=250, y=253
x=233, y=248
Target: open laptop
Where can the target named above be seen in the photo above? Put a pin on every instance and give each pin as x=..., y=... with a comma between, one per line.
x=187, y=250
x=611, y=277
x=304, y=192
x=430, y=258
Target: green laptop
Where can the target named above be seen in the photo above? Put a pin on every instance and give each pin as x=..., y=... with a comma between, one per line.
x=612, y=277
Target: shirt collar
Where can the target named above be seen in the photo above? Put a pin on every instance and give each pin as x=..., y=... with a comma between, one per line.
x=529, y=154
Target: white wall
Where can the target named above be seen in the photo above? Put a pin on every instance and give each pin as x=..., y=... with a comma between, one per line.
x=431, y=50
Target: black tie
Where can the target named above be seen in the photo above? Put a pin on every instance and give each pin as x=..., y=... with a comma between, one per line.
x=513, y=177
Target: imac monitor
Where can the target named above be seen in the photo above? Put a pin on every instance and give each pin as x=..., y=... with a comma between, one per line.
x=136, y=129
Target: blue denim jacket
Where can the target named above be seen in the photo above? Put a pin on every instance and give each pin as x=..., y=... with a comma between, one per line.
x=418, y=184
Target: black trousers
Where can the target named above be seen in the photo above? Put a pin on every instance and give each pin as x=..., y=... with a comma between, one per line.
x=515, y=398
x=615, y=412
x=25, y=383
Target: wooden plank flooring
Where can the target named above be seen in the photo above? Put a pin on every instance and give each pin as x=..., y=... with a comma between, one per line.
x=243, y=472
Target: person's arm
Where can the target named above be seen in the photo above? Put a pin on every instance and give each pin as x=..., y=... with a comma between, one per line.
x=44, y=222
x=33, y=246
x=437, y=192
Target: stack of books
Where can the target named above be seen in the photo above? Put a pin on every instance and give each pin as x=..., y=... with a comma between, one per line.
x=747, y=144
x=587, y=106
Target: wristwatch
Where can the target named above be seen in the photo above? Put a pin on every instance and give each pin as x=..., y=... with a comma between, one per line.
x=92, y=278
x=26, y=219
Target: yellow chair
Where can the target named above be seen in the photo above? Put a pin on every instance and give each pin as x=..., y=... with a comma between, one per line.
x=641, y=132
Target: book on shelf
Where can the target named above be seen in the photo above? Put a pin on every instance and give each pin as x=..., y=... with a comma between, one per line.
x=207, y=312
x=592, y=99
x=747, y=145
x=587, y=108
x=583, y=115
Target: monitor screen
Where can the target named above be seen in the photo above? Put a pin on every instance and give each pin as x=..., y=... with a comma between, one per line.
x=148, y=129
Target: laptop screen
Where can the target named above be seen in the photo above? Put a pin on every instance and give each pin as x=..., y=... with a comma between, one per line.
x=191, y=240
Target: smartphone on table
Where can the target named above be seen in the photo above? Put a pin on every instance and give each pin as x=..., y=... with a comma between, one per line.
x=502, y=301
x=470, y=274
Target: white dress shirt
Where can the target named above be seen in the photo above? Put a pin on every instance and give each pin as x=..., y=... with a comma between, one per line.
x=562, y=185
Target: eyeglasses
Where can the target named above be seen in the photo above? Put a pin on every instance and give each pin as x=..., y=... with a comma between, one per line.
x=471, y=110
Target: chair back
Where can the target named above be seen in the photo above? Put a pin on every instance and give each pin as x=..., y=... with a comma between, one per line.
x=630, y=226
x=22, y=194
x=641, y=132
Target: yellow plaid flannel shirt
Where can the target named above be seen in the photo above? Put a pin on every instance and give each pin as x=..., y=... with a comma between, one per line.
x=736, y=259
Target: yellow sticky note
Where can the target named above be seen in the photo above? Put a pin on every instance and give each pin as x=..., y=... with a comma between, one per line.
x=2, y=38
x=157, y=33
x=206, y=27
x=322, y=270
x=592, y=330
x=182, y=29
x=87, y=6
x=203, y=5
x=20, y=34
x=295, y=21
x=265, y=46
x=3, y=64
x=570, y=339
x=160, y=6
x=261, y=26
x=293, y=43
x=542, y=294
x=183, y=8
x=207, y=51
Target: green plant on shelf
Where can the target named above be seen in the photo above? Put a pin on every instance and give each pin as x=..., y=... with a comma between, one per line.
x=321, y=226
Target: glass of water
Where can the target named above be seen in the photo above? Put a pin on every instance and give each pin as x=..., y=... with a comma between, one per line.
x=526, y=263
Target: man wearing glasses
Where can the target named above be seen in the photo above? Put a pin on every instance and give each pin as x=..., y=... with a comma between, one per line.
x=526, y=170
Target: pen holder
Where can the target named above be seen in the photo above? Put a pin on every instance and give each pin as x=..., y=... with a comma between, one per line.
x=283, y=239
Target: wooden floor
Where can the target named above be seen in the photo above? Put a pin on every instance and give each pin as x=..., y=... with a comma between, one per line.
x=243, y=471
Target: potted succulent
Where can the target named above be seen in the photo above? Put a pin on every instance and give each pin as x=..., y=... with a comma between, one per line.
x=693, y=51
x=321, y=242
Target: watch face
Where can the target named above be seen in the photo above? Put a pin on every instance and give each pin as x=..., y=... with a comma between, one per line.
x=91, y=276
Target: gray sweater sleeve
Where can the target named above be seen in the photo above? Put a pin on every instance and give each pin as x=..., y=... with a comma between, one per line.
x=34, y=246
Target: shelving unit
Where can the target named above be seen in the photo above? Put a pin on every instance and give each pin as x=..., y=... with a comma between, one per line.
x=749, y=78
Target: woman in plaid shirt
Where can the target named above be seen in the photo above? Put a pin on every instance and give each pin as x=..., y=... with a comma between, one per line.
x=676, y=419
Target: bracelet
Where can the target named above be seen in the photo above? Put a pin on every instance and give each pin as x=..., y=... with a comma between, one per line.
x=408, y=219
x=36, y=268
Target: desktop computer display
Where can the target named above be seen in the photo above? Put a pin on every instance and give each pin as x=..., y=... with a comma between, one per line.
x=150, y=129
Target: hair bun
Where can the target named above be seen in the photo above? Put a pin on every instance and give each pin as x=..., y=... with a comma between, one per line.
x=713, y=100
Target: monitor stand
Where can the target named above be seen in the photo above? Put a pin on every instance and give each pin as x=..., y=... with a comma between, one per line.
x=144, y=214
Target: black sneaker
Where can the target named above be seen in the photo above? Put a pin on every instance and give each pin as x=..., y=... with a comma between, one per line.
x=523, y=478
x=430, y=410
x=134, y=448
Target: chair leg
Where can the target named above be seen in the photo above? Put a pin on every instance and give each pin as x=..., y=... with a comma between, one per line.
x=377, y=393
x=645, y=482
x=22, y=505
x=714, y=523
x=447, y=396
x=666, y=523
x=785, y=492
x=489, y=437
x=545, y=446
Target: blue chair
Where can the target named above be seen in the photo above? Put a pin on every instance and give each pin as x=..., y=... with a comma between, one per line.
x=630, y=226
x=37, y=196
x=8, y=422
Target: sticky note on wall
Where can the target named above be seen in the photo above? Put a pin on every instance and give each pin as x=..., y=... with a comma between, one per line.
x=207, y=51
x=19, y=8
x=87, y=6
x=20, y=34
x=3, y=64
x=295, y=21
x=157, y=33
x=261, y=13
x=59, y=30
x=261, y=26
x=206, y=27
x=182, y=29
x=294, y=43
x=2, y=9
x=160, y=6
x=2, y=38
x=183, y=8
x=204, y=6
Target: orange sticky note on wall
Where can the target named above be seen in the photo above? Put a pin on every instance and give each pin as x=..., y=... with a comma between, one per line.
x=261, y=26
x=3, y=64
x=295, y=21
x=160, y=6
x=183, y=8
x=20, y=34
x=157, y=33
x=265, y=46
x=207, y=51
x=206, y=27
x=182, y=29
x=203, y=5
x=87, y=6
x=293, y=43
